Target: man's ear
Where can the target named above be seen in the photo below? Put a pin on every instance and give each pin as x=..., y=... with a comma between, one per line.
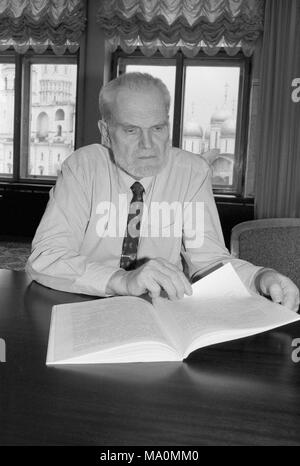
x=105, y=138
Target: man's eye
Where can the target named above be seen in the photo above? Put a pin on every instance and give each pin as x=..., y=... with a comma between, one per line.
x=131, y=130
x=158, y=129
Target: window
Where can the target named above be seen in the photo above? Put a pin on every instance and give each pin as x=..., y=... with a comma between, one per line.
x=59, y=115
x=7, y=105
x=51, y=107
x=209, y=120
x=42, y=89
x=59, y=131
x=209, y=108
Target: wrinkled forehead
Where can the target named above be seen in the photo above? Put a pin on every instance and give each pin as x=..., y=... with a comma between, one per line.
x=140, y=107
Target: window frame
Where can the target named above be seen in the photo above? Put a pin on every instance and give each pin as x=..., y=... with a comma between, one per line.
x=22, y=111
x=220, y=59
x=9, y=56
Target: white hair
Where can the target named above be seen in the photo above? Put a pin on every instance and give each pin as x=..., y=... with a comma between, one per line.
x=134, y=81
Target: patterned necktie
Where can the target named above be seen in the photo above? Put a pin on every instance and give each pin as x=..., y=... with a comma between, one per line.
x=131, y=238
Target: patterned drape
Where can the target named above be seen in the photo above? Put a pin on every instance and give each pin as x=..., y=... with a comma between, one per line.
x=40, y=24
x=190, y=25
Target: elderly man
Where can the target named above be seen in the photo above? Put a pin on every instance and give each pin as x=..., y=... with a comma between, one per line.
x=97, y=237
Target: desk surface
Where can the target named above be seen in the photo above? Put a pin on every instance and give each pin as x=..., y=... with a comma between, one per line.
x=241, y=392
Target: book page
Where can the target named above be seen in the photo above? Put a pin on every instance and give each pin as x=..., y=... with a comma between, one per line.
x=211, y=321
x=99, y=325
x=217, y=312
x=223, y=282
x=182, y=325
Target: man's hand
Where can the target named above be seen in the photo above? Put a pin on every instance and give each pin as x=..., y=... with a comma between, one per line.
x=280, y=288
x=151, y=277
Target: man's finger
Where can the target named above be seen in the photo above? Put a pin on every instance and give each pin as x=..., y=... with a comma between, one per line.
x=276, y=293
x=291, y=298
x=153, y=289
x=290, y=294
x=290, y=304
x=164, y=282
x=174, y=270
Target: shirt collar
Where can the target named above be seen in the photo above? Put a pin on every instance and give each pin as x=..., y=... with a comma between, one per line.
x=126, y=181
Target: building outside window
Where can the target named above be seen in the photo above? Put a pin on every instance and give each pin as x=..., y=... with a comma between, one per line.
x=54, y=97
x=7, y=101
x=48, y=95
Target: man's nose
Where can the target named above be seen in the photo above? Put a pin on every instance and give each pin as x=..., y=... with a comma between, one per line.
x=146, y=139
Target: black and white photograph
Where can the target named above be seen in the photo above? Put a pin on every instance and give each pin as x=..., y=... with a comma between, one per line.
x=150, y=226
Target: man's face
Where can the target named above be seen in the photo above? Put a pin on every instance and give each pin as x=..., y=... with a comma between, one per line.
x=139, y=132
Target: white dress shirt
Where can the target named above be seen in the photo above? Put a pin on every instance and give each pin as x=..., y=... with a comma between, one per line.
x=77, y=246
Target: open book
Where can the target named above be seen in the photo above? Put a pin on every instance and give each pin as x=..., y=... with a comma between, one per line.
x=130, y=329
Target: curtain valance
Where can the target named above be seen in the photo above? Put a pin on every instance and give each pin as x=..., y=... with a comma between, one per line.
x=189, y=25
x=40, y=24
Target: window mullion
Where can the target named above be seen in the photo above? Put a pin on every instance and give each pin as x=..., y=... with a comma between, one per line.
x=17, y=118
x=25, y=112
x=178, y=99
x=244, y=100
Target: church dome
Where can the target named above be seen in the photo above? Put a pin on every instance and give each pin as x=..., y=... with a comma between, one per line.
x=192, y=129
x=228, y=128
x=219, y=116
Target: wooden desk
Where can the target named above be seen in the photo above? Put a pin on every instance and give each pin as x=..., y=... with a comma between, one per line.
x=242, y=392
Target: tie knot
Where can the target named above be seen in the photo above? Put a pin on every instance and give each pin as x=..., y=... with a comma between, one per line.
x=138, y=191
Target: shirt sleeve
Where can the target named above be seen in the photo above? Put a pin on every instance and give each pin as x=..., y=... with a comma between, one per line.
x=203, y=240
x=55, y=260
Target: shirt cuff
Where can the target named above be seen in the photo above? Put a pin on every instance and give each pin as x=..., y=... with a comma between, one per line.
x=94, y=280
